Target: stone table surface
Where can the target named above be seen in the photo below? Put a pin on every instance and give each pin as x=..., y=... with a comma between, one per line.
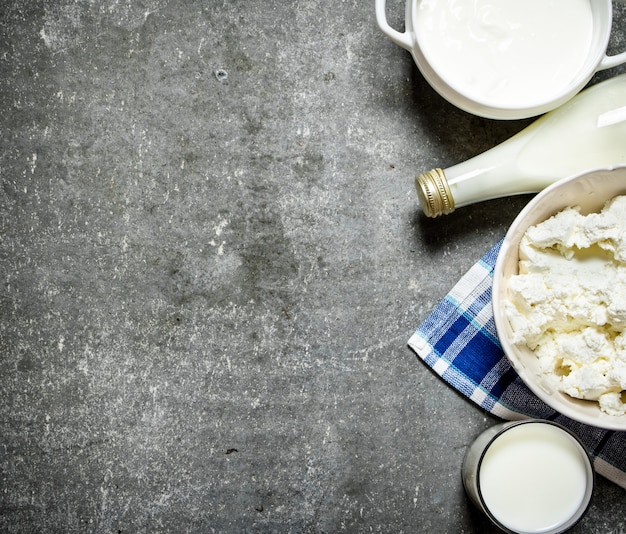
x=212, y=259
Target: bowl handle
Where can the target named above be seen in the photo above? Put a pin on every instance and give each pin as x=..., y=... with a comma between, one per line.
x=612, y=61
x=405, y=40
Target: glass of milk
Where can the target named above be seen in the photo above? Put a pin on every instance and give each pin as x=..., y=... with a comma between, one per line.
x=529, y=476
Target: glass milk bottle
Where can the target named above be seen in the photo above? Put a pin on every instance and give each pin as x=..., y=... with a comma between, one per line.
x=586, y=133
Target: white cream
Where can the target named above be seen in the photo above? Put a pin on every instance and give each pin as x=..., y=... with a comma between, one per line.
x=507, y=53
x=534, y=478
x=568, y=304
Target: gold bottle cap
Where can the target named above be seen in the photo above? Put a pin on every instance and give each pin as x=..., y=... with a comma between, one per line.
x=434, y=194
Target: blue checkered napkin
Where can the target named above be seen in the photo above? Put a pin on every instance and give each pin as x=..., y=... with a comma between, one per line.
x=458, y=341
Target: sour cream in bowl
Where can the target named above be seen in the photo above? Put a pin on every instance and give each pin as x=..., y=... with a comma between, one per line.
x=506, y=59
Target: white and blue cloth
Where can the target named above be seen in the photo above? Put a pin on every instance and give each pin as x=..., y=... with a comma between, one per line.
x=458, y=341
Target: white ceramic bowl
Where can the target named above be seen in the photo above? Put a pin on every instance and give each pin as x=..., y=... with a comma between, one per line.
x=595, y=60
x=589, y=191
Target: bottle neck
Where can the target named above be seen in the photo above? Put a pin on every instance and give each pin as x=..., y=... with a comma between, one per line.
x=492, y=174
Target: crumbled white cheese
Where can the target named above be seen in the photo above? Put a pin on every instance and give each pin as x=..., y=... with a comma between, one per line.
x=568, y=304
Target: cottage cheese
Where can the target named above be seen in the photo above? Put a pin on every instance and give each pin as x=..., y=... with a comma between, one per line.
x=568, y=304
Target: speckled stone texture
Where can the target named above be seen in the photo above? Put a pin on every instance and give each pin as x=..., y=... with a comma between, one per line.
x=211, y=259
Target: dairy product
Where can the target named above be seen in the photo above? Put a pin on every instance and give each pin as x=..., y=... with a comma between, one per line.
x=588, y=132
x=505, y=52
x=568, y=302
x=534, y=477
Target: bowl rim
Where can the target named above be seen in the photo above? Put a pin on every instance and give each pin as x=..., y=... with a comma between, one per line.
x=562, y=403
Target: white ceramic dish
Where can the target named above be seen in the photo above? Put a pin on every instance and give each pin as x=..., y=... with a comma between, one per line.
x=595, y=60
x=589, y=191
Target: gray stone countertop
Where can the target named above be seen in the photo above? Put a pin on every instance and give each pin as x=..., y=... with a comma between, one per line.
x=212, y=259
